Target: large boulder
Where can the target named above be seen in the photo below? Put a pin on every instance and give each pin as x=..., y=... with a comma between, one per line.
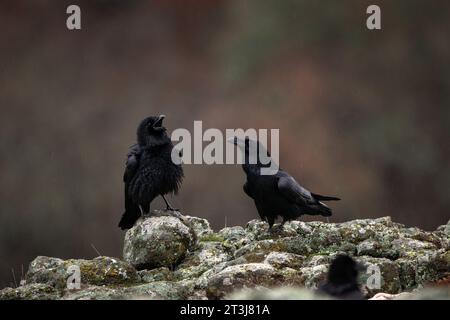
x=157, y=242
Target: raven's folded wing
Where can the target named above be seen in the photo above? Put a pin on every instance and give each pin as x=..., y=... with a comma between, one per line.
x=292, y=191
x=132, y=163
x=132, y=211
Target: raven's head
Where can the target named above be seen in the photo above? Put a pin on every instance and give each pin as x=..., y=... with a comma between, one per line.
x=242, y=144
x=253, y=151
x=151, y=132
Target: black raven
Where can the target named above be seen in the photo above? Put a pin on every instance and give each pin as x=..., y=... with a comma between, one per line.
x=278, y=194
x=342, y=280
x=149, y=171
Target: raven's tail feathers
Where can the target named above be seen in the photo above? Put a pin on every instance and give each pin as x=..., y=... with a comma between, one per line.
x=320, y=197
x=129, y=217
x=323, y=210
x=131, y=214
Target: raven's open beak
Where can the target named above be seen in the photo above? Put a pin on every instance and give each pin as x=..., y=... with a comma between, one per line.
x=158, y=122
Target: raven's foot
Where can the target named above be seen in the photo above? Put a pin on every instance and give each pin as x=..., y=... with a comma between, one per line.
x=168, y=213
x=276, y=228
x=175, y=213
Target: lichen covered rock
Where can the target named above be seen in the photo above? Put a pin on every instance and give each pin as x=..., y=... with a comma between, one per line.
x=34, y=291
x=314, y=275
x=99, y=271
x=207, y=255
x=158, y=274
x=250, y=275
x=199, y=226
x=169, y=257
x=284, y=259
x=157, y=242
x=388, y=271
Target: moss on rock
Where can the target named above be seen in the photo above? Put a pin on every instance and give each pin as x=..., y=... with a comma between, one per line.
x=183, y=258
x=34, y=291
x=157, y=242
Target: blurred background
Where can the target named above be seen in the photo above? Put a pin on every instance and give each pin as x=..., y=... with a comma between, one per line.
x=362, y=114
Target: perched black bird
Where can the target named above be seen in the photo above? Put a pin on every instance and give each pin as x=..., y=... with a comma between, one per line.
x=342, y=279
x=149, y=171
x=278, y=194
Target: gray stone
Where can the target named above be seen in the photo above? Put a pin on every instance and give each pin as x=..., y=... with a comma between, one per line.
x=250, y=275
x=201, y=227
x=33, y=291
x=284, y=259
x=182, y=258
x=388, y=270
x=158, y=274
x=98, y=271
x=157, y=242
x=314, y=276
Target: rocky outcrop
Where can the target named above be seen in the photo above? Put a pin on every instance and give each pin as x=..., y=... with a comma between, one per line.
x=166, y=257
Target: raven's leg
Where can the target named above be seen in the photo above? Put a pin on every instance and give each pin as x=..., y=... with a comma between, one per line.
x=175, y=212
x=168, y=206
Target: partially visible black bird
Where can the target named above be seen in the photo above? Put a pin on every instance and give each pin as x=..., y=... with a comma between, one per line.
x=278, y=194
x=149, y=171
x=342, y=280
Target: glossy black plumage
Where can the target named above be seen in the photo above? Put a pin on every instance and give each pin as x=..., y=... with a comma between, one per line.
x=149, y=171
x=279, y=194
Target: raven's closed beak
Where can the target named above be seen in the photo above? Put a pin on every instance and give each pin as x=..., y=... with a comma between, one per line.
x=233, y=140
x=158, y=122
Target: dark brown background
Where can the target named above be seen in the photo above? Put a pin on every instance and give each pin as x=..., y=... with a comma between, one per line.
x=363, y=115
